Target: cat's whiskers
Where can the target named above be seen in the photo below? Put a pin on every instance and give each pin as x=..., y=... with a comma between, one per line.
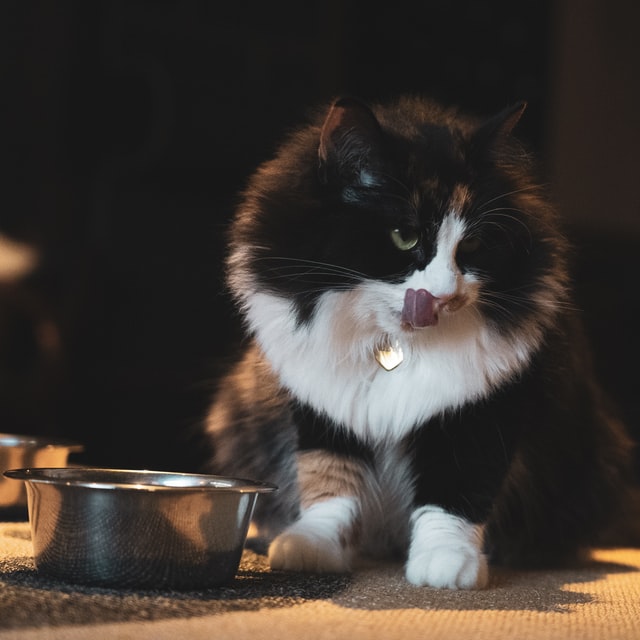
x=531, y=187
x=409, y=199
x=395, y=180
x=311, y=265
x=335, y=277
x=489, y=218
x=528, y=301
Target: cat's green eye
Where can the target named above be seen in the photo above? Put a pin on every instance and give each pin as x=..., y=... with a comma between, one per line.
x=469, y=245
x=405, y=240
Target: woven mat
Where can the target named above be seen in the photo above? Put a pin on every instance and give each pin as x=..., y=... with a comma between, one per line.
x=600, y=600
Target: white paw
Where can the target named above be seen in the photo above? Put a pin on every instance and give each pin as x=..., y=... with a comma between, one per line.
x=446, y=552
x=298, y=551
x=448, y=568
x=316, y=542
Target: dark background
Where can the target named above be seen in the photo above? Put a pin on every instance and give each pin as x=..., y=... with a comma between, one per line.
x=132, y=124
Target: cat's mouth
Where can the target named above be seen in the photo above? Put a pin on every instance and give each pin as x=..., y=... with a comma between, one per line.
x=422, y=309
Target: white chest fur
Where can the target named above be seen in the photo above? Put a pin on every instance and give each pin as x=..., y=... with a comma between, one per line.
x=329, y=362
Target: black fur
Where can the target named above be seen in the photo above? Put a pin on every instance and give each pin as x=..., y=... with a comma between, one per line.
x=540, y=459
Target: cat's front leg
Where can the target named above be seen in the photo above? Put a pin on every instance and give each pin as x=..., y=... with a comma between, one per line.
x=446, y=551
x=319, y=541
x=323, y=538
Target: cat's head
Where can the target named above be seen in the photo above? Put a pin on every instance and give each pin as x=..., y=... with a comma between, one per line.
x=408, y=212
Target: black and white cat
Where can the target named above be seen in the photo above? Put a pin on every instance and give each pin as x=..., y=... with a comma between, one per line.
x=414, y=378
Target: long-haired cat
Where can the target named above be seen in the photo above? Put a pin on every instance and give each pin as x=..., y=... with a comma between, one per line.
x=414, y=379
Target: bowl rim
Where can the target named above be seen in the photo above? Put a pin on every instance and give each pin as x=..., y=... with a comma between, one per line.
x=28, y=441
x=74, y=477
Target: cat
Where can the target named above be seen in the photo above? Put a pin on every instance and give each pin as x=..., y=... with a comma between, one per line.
x=415, y=377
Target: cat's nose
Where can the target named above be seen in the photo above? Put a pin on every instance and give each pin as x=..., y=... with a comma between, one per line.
x=421, y=308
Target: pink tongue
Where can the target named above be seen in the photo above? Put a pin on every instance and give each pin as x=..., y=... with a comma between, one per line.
x=419, y=309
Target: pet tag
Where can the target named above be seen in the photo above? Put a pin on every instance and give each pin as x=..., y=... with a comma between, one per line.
x=389, y=356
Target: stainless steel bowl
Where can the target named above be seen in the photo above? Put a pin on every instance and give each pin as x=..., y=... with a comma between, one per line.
x=147, y=529
x=18, y=451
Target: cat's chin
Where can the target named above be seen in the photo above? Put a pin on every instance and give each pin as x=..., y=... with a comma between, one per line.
x=407, y=327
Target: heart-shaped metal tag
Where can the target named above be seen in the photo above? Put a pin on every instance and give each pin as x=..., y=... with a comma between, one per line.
x=389, y=356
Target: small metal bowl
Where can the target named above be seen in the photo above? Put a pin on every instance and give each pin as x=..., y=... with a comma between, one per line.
x=143, y=529
x=18, y=451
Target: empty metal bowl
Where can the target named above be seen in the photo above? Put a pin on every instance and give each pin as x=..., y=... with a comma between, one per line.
x=145, y=529
x=18, y=451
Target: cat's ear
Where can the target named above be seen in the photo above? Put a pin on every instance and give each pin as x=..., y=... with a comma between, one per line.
x=497, y=128
x=350, y=142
